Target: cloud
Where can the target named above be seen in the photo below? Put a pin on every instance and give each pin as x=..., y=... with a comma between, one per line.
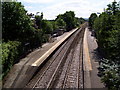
x=36, y=1
x=81, y=8
x=29, y=7
x=52, y=8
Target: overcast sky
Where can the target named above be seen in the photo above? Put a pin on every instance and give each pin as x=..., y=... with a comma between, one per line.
x=52, y=8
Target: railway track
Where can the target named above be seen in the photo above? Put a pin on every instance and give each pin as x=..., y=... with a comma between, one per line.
x=64, y=69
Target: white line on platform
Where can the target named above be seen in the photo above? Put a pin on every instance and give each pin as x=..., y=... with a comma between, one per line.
x=48, y=53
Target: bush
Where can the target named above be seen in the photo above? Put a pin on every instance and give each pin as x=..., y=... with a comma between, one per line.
x=9, y=55
x=109, y=73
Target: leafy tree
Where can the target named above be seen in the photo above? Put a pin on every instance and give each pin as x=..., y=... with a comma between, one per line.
x=16, y=25
x=107, y=27
x=55, y=26
x=19, y=35
x=47, y=27
x=92, y=19
x=103, y=27
x=106, y=34
x=69, y=19
x=117, y=29
x=60, y=23
x=38, y=20
x=30, y=15
x=113, y=8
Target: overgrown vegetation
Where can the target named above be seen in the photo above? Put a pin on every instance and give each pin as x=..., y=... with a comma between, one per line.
x=23, y=32
x=107, y=28
x=10, y=52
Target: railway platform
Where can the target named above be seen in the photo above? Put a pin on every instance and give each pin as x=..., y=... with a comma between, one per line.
x=94, y=59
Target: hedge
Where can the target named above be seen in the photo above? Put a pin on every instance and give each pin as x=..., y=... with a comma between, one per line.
x=10, y=54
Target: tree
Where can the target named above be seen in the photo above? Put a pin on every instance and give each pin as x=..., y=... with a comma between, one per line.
x=47, y=27
x=19, y=35
x=16, y=25
x=107, y=27
x=113, y=8
x=69, y=19
x=60, y=23
x=38, y=20
x=92, y=19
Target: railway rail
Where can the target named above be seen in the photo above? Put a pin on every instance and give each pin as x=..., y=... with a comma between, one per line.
x=64, y=68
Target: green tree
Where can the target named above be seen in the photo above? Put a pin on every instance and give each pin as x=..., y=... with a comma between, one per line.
x=107, y=27
x=103, y=26
x=92, y=18
x=38, y=20
x=16, y=25
x=113, y=8
x=55, y=26
x=19, y=35
x=60, y=23
x=69, y=19
x=47, y=27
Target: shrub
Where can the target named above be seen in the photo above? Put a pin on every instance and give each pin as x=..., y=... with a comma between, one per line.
x=9, y=55
x=109, y=73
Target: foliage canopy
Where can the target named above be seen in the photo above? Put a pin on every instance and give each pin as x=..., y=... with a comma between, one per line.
x=107, y=28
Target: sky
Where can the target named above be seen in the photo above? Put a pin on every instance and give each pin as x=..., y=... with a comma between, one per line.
x=52, y=8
